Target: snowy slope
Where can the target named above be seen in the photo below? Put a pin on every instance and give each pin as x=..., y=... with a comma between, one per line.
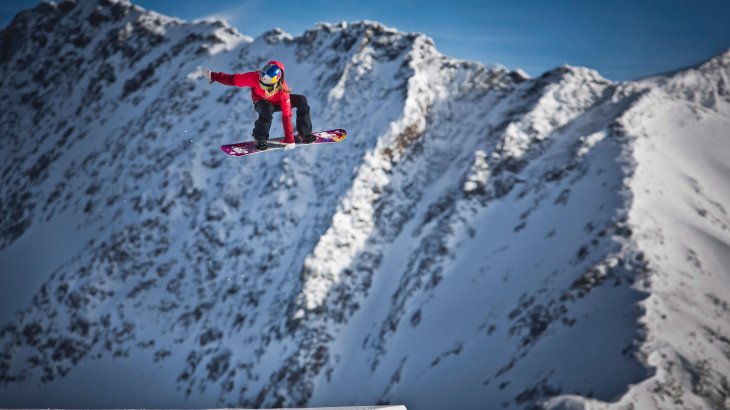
x=679, y=154
x=481, y=239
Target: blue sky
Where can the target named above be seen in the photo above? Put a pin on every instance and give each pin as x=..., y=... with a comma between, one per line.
x=621, y=39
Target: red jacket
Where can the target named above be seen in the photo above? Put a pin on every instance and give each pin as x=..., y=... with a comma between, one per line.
x=280, y=98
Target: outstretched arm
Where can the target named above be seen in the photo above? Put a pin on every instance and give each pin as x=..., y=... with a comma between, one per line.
x=250, y=79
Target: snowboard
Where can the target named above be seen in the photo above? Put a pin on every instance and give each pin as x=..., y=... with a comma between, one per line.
x=241, y=149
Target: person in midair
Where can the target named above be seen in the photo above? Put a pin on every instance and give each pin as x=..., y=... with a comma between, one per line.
x=270, y=94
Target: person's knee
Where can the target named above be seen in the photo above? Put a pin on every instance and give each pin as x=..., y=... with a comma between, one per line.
x=303, y=106
x=265, y=109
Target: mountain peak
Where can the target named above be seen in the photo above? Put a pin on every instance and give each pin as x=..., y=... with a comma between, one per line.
x=720, y=61
x=365, y=28
x=275, y=36
x=358, y=25
x=705, y=83
x=571, y=73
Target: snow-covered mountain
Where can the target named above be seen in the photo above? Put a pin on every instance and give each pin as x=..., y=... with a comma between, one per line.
x=481, y=239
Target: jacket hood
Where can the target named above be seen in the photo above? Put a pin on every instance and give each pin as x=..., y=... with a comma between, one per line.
x=278, y=63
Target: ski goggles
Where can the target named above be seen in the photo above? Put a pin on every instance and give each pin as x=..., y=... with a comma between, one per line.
x=267, y=87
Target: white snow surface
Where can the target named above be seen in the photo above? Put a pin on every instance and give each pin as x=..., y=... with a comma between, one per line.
x=480, y=239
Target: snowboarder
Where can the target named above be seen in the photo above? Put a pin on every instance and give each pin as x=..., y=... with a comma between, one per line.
x=270, y=94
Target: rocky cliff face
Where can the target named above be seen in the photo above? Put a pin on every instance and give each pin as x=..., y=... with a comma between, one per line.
x=480, y=237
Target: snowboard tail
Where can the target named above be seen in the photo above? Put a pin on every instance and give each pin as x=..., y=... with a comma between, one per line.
x=241, y=149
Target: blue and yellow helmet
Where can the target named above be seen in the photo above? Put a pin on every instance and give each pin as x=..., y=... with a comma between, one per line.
x=270, y=76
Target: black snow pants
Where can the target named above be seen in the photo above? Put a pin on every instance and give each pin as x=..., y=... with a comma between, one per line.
x=266, y=112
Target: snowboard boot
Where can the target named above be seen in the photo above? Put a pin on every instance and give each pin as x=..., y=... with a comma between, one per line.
x=261, y=145
x=309, y=138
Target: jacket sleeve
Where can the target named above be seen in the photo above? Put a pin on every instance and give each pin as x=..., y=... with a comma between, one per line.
x=249, y=79
x=286, y=118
